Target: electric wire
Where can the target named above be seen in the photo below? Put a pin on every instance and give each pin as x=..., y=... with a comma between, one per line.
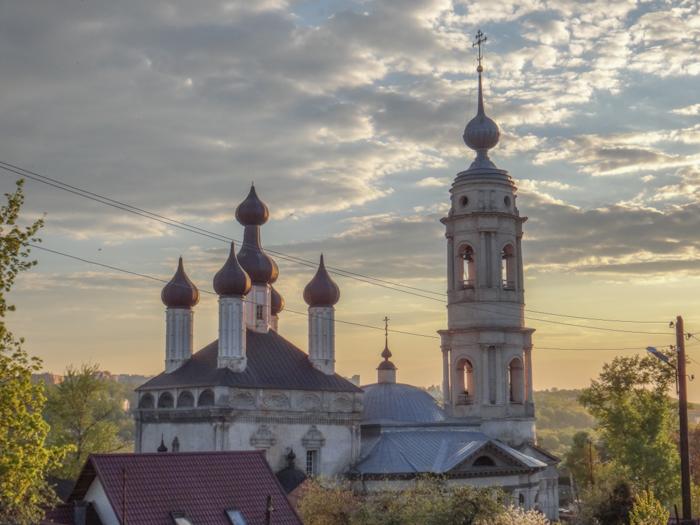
x=23, y=172
x=363, y=325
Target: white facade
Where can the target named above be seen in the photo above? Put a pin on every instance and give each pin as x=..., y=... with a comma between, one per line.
x=322, y=338
x=178, y=337
x=232, y=337
x=258, y=312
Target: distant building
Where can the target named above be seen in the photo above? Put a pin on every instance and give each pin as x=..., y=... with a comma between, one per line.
x=216, y=488
x=251, y=389
x=47, y=378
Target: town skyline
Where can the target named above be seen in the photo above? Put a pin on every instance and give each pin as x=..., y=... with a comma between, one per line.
x=357, y=164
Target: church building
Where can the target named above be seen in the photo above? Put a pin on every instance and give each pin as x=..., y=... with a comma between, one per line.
x=252, y=389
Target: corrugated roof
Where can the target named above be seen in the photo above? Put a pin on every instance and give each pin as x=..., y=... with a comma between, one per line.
x=400, y=452
x=396, y=402
x=273, y=362
x=201, y=485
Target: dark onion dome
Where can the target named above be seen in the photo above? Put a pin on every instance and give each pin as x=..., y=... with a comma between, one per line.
x=386, y=354
x=399, y=403
x=180, y=292
x=258, y=265
x=276, y=301
x=291, y=477
x=232, y=278
x=321, y=290
x=252, y=211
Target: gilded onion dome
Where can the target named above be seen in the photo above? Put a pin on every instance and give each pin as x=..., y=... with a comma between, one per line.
x=180, y=292
x=232, y=278
x=321, y=290
x=252, y=211
x=276, y=302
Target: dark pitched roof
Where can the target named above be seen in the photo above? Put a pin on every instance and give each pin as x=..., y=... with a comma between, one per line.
x=201, y=485
x=273, y=362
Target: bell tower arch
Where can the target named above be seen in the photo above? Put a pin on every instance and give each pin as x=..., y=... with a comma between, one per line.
x=487, y=374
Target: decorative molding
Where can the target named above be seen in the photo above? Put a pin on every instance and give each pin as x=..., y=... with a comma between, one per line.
x=263, y=437
x=310, y=402
x=342, y=403
x=243, y=400
x=276, y=400
x=313, y=439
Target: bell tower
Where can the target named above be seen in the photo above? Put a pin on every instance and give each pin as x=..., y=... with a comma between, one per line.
x=487, y=372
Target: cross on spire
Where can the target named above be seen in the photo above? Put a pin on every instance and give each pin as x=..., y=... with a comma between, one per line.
x=386, y=353
x=478, y=41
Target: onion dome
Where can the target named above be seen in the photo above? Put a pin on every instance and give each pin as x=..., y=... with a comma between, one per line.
x=261, y=268
x=481, y=133
x=180, y=292
x=386, y=353
x=321, y=290
x=291, y=477
x=252, y=211
x=276, y=302
x=232, y=278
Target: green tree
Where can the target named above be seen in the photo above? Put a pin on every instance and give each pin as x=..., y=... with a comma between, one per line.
x=635, y=420
x=84, y=413
x=647, y=510
x=25, y=458
x=582, y=459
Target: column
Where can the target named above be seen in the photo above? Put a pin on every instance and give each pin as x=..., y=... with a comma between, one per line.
x=451, y=277
x=446, y=397
x=528, y=374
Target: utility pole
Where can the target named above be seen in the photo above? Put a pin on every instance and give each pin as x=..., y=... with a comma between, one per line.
x=683, y=416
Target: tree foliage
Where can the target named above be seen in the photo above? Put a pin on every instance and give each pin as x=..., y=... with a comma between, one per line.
x=85, y=412
x=25, y=458
x=582, y=459
x=647, y=510
x=635, y=421
x=425, y=502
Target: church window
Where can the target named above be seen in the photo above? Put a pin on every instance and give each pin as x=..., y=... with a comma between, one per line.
x=521, y=499
x=311, y=462
x=468, y=267
x=506, y=201
x=484, y=461
x=464, y=201
x=206, y=399
x=465, y=382
x=516, y=381
x=508, y=267
x=185, y=399
x=259, y=312
x=146, y=401
x=165, y=400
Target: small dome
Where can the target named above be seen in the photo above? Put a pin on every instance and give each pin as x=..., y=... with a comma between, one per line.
x=276, y=302
x=180, y=292
x=399, y=403
x=232, y=279
x=252, y=211
x=258, y=265
x=386, y=365
x=481, y=133
x=291, y=477
x=321, y=290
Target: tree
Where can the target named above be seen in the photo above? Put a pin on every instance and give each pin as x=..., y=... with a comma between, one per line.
x=647, y=510
x=25, y=458
x=581, y=459
x=83, y=412
x=635, y=421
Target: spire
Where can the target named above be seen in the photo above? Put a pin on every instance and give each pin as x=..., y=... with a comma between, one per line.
x=162, y=447
x=386, y=353
x=386, y=371
x=481, y=133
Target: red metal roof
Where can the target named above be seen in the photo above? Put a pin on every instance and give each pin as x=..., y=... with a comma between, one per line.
x=200, y=485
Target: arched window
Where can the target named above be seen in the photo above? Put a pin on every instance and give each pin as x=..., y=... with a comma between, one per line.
x=206, y=399
x=465, y=382
x=185, y=399
x=516, y=381
x=165, y=400
x=508, y=267
x=521, y=499
x=147, y=401
x=484, y=461
x=468, y=261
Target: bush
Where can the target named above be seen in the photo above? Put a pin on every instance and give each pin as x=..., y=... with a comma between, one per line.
x=647, y=510
x=518, y=516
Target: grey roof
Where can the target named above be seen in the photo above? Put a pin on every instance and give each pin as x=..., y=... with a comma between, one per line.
x=273, y=362
x=408, y=452
x=396, y=402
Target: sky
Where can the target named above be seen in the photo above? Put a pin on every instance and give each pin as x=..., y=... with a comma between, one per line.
x=348, y=117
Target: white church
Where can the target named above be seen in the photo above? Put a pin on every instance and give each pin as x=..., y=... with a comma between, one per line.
x=252, y=389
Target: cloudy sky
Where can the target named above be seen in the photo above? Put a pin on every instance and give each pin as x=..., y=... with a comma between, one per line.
x=348, y=116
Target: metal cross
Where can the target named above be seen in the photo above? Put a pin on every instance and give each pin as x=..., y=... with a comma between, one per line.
x=386, y=329
x=480, y=39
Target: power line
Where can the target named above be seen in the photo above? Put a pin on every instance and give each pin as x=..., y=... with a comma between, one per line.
x=363, y=325
x=23, y=172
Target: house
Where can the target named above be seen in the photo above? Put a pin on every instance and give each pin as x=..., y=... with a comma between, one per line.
x=189, y=488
